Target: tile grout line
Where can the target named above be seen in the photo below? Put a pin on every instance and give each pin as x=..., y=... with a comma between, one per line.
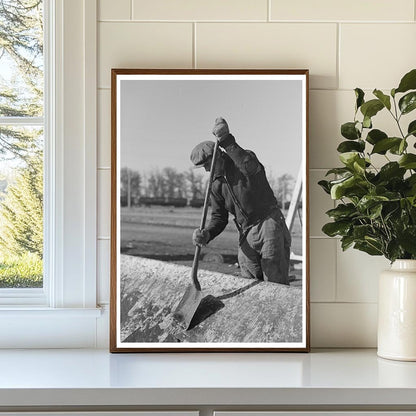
x=194, y=63
x=338, y=64
x=323, y=237
x=336, y=271
x=131, y=9
x=307, y=22
x=355, y=302
x=343, y=303
x=269, y=11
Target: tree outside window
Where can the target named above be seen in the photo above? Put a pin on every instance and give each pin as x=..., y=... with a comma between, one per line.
x=21, y=143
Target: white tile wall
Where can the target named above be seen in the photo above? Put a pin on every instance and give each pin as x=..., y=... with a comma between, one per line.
x=104, y=202
x=142, y=45
x=345, y=44
x=103, y=271
x=341, y=10
x=388, y=54
x=104, y=128
x=344, y=325
x=200, y=10
x=319, y=203
x=328, y=110
x=114, y=10
x=357, y=275
x=271, y=45
x=323, y=269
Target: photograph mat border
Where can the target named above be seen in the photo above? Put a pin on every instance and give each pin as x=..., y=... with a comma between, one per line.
x=305, y=288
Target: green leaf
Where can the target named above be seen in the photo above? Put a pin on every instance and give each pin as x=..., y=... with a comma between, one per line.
x=359, y=165
x=338, y=171
x=411, y=185
x=348, y=158
x=367, y=122
x=391, y=170
x=411, y=130
x=336, y=228
x=391, y=212
x=408, y=161
x=393, y=92
x=408, y=102
x=374, y=242
x=375, y=136
x=371, y=108
x=393, y=250
x=346, y=242
x=383, y=145
x=325, y=186
x=359, y=95
x=412, y=201
x=338, y=189
x=349, y=146
x=361, y=231
x=385, y=99
x=350, y=187
x=399, y=148
x=407, y=240
x=350, y=131
x=342, y=211
x=408, y=82
x=375, y=211
x=402, y=147
x=411, y=180
x=369, y=201
x=368, y=248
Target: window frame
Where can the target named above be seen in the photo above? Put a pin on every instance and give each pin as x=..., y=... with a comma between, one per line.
x=68, y=299
x=37, y=296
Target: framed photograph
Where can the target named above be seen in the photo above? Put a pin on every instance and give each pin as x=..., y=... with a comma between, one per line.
x=209, y=211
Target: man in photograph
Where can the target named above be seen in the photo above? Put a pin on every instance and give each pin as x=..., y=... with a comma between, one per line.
x=240, y=187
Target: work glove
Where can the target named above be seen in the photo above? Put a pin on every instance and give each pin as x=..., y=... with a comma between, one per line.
x=200, y=237
x=220, y=129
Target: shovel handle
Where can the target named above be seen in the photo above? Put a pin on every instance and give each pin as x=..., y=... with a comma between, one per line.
x=204, y=217
x=208, y=192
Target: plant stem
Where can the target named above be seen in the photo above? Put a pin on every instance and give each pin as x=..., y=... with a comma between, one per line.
x=397, y=118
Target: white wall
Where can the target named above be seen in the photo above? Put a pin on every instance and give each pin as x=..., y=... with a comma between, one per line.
x=345, y=44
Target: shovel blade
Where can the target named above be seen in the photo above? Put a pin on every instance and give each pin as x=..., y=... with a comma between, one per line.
x=187, y=306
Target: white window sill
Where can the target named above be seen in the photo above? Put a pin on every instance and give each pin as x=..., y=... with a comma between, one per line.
x=40, y=327
x=35, y=312
x=329, y=379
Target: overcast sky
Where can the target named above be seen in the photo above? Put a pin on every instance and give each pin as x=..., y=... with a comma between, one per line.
x=161, y=121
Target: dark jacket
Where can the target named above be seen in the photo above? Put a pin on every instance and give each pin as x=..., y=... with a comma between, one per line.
x=242, y=191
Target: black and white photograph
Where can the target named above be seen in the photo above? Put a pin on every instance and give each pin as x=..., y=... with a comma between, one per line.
x=209, y=210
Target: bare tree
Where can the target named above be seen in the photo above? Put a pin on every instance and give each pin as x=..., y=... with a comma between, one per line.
x=130, y=184
x=284, y=188
x=194, y=184
x=156, y=184
x=174, y=182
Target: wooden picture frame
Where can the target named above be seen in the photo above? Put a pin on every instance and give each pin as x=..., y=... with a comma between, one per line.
x=248, y=301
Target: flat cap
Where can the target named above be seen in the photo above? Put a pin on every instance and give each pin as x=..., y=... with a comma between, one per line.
x=202, y=152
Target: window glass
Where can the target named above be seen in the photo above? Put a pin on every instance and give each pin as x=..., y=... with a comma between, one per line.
x=21, y=143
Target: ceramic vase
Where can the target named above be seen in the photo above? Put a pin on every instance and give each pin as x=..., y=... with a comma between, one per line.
x=397, y=312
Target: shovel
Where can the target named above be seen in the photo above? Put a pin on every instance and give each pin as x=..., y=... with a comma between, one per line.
x=193, y=296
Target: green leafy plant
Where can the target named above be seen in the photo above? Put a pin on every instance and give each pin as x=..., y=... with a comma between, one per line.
x=376, y=210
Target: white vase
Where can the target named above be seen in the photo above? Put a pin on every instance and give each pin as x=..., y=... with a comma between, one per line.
x=397, y=312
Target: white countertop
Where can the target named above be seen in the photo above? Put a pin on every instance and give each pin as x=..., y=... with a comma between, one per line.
x=96, y=377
